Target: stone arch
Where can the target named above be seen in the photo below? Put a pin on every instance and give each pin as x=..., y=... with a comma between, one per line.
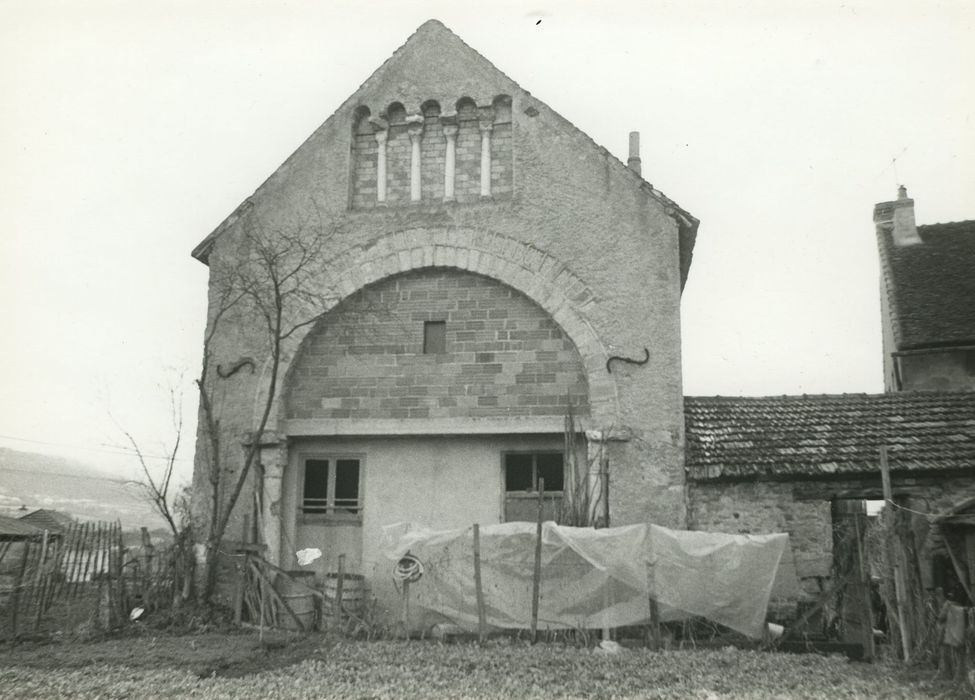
x=502, y=357
x=539, y=276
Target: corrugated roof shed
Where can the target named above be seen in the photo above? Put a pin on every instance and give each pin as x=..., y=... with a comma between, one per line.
x=785, y=436
x=931, y=285
x=13, y=529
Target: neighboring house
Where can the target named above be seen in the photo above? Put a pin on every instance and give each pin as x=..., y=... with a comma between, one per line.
x=800, y=464
x=14, y=534
x=16, y=530
x=927, y=295
x=55, y=522
x=803, y=464
x=492, y=264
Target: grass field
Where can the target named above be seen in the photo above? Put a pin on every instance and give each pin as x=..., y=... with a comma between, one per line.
x=240, y=666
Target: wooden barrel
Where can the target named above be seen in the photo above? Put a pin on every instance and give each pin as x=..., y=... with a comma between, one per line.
x=294, y=590
x=353, y=593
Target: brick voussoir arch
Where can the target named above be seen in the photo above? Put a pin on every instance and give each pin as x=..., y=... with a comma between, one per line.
x=533, y=272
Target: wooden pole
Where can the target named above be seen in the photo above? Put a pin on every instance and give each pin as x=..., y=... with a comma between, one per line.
x=40, y=583
x=406, y=609
x=339, y=586
x=242, y=565
x=260, y=633
x=866, y=616
x=18, y=585
x=655, y=624
x=537, y=571
x=78, y=565
x=900, y=592
x=478, y=586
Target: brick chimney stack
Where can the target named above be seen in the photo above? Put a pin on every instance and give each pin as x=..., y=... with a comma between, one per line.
x=898, y=216
x=633, y=162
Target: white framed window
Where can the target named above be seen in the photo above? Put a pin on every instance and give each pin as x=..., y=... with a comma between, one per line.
x=332, y=487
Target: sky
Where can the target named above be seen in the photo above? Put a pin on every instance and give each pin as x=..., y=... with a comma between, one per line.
x=130, y=130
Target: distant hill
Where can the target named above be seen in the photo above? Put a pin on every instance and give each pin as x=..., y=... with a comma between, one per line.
x=59, y=483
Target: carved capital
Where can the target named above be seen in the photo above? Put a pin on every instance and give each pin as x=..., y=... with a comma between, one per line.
x=485, y=126
x=450, y=131
x=381, y=137
x=415, y=131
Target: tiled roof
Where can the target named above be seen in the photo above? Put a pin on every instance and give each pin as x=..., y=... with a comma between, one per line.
x=931, y=285
x=781, y=436
x=45, y=519
x=12, y=529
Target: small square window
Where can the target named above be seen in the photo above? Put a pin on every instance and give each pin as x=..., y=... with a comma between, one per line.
x=434, y=337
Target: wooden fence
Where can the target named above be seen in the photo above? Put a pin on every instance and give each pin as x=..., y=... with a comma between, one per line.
x=63, y=580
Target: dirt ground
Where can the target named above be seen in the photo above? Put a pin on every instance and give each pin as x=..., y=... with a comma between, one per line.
x=317, y=666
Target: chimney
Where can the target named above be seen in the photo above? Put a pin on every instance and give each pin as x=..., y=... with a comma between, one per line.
x=899, y=217
x=633, y=162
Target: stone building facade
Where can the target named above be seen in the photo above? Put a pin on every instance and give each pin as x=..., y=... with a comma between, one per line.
x=927, y=293
x=484, y=267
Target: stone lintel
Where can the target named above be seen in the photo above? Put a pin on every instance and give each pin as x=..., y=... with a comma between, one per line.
x=391, y=427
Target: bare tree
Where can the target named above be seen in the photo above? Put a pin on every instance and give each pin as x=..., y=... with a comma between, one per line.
x=275, y=286
x=156, y=488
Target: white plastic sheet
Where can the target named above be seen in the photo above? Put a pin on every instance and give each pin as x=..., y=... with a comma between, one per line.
x=592, y=578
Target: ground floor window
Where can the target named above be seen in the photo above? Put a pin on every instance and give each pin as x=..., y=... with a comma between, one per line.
x=524, y=472
x=331, y=486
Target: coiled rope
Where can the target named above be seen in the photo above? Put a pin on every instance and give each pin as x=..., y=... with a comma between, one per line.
x=408, y=569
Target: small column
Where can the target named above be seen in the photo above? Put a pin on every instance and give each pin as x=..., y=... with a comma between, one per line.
x=381, y=137
x=415, y=130
x=274, y=458
x=486, y=128
x=450, y=162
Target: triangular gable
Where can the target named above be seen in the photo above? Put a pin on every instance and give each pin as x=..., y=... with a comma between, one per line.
x=436, y=64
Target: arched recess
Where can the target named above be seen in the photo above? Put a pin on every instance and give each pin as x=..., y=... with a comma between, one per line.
x=446, y=349
x=539, y=276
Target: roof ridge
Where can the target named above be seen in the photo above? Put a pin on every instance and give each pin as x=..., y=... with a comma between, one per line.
x=948, y=223
x=892, y=396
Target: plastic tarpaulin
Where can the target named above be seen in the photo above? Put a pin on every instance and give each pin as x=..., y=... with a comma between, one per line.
x=592, y=578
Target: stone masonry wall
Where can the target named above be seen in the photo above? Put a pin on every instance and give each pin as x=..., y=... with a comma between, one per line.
x=804, y=510
x=433, y=148
x=759, y=508
x=505, y=356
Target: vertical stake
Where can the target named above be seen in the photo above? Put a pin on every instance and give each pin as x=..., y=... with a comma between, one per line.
x=15, y=598
x=478, y=586
x=40, y=583
x=899, y=587
x=537, y=572
x=406, y=609
x=655, y=624
x=242, y=564
x=867, y=617
x=339, y=586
